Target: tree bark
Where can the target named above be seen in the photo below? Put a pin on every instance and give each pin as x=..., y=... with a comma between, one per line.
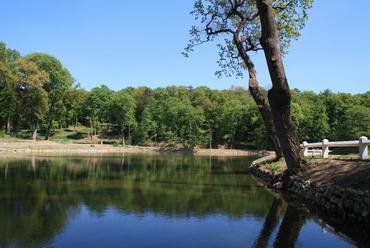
x=129, y=134
x=47, y=133
x=123, y=133
x=259, y=98
x=34, y=133
x=279, y=95
x=8, y=125
x=91, y=129
x=18, y=123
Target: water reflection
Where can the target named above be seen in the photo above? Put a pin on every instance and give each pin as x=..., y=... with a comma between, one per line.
x=271, y=222
x=42, y=196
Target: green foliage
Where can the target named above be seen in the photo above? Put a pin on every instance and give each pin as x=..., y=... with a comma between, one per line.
x=358, y=120
x=221, y=20
x=37, y=89
x=122, y=111
x=309, y=115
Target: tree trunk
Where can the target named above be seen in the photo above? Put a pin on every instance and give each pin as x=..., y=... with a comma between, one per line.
x=48, y=127
x=8, y=125
x=123, y=133
x=210, y=138
x=91, y=129
x=129, y=134
x=18, y=124
x=75, y=124
x=279, y=95
x=259, y=98
x=34, y=133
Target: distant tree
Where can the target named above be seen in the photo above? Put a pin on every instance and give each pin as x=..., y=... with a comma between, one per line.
x=142, y=97
x=358, y=121
x=183, y=122
x=73, y=103
x=122, y=108
x=32, y=99
x=231, y=120
x=337, y=107
x=60, y=82
x=206, y=99
x=95, y=107
x=7, y=84
x=310, y=116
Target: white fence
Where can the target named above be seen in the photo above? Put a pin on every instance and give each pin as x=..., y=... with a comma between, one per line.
x=309, y=148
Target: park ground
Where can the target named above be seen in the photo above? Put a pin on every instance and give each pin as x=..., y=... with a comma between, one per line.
x=76, y=141
x=21, y=146
x=342, y=170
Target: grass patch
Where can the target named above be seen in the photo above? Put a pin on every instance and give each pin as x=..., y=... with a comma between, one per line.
x=69, y=135
x=76, y=135
x=276, y=167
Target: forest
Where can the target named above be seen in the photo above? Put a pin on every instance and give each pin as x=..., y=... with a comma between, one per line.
x=38, y=96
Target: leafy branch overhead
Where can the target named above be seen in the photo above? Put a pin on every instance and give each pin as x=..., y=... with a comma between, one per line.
x=233, y=23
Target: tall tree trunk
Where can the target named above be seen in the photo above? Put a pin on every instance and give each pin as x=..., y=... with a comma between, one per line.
x=123, y=133
x=129, y=134
x=48, y=127
x=210, y=138
x=279, y=95
x=18, y=123
x=91, y=129
x=34, y=133
x=75, y=124
x=259, y=98
x=8, y=125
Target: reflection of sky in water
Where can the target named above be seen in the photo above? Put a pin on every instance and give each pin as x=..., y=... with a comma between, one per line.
x=117, y=229
x=316, y=236
x=147, y=202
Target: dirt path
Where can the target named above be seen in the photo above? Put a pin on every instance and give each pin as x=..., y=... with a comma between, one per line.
x=51, y=147
x=343, y=172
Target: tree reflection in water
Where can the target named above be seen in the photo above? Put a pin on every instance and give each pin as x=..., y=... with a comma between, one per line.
x=271, y=221
x=39, y=195
x=290, y=227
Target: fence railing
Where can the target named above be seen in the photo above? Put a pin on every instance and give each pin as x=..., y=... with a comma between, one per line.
x=309, y=148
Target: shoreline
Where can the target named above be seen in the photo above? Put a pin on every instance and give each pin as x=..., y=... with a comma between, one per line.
x=22, y=147
x=337, y=187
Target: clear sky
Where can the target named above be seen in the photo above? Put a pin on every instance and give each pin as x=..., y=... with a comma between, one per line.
x=124, y=43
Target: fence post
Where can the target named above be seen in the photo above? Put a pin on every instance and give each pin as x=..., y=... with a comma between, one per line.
x=325, y=148
x=305, y=149
x=363, y=148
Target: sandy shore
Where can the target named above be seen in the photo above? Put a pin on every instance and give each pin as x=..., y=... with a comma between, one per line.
x=51, y=147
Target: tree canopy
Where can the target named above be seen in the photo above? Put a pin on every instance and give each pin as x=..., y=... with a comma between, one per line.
x=175, y=114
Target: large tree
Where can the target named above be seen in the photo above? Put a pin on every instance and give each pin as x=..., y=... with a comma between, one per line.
x=122, y=110
x=95, y=108
x=31, y=98
x=58, y=86
x=242, y=27
x=7, y=84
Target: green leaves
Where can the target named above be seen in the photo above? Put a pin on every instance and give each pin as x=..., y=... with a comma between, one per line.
x=122, y=109
x=221, y=20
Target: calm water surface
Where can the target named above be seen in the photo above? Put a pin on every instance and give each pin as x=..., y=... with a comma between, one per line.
x=150, y=201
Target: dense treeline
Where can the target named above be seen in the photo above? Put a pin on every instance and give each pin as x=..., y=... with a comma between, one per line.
x=38, y=93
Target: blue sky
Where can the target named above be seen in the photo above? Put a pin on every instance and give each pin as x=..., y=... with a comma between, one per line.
x=124, y=43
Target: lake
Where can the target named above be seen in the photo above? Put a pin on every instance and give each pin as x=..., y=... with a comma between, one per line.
x=152, y=201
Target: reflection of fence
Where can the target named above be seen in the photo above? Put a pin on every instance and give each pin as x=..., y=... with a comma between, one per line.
x=309, y=148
